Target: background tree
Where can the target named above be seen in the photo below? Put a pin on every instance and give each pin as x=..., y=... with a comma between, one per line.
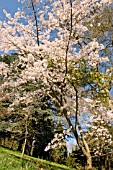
x=34, y=118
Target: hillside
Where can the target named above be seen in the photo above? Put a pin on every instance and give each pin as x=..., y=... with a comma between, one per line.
x=11, y=160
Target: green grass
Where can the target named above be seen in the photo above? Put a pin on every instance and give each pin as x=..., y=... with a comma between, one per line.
x=11, y=160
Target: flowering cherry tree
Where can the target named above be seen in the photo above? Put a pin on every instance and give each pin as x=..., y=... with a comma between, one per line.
x=57, y=51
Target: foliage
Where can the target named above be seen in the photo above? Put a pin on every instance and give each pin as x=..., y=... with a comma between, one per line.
x=57, y=146
x=39, y=128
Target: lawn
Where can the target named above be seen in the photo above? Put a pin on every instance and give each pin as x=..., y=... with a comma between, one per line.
x=11, y=160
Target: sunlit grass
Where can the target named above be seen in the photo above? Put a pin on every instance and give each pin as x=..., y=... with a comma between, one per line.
x=11, y=160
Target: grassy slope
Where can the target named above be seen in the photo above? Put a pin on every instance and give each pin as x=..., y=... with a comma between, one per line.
x=11, y=160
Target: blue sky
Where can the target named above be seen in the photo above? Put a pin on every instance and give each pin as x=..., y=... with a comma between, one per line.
x=10, y=6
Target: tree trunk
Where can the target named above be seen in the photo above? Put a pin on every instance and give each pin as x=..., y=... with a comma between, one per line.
x=23, y=149
x=86, y=151
x=81, y=142
x=25, y=141
x=32, y=148
x=89, y=162
x=107, y=163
